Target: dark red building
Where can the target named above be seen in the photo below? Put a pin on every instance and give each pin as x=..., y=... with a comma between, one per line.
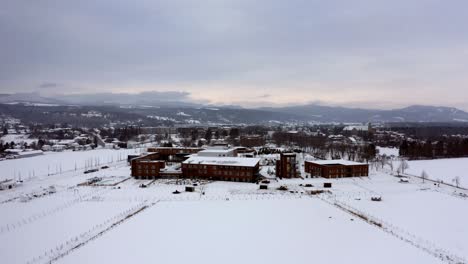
x=174, y=153
x=221, y=168
x=286, y=166
x=147, y=167
x=336, y=168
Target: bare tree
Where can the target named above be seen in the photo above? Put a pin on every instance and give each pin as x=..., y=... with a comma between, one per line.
x=424, y=176
x=456, y=181
x=403, y=166
x=382, y=160
x=390, y=164
x=202, y=188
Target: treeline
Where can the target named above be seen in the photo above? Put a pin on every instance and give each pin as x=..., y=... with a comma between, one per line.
x=123, y=134
x=299, y=139
x=446, y=148
x=73, y=115
x=432, y=132
x=322, y=147
x=11, y=145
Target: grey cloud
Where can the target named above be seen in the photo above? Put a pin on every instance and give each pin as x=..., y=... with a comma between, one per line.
x=119, y=45
x=48, y=85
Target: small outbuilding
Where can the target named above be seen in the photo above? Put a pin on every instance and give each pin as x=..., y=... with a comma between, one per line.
x=189, y=188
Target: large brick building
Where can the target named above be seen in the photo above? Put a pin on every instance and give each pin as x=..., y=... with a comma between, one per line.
x=147, y=166
x=221, y=168
x=286, y=166
x=174, y=153
x=336, y=168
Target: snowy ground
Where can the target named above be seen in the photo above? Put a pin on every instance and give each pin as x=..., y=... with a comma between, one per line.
x=52, y=163
x=441, y=169
x=18, y=139
x=251, y=231
x=434, y=216
x=389, y=151
x=233, y=222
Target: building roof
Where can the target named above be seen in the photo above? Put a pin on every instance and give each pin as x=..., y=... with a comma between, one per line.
x=223, y=161
x=338, y=161
x=31, y=152
x=216, y=150
x=358, y=128
x=183, y=148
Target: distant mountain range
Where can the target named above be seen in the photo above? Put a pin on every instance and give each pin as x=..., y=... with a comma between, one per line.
x=415, y=113
x=166, y=106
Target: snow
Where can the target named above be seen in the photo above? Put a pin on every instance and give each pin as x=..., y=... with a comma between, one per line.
x=255, y=231
x=358, y=128
x=164, y=118
x=441, y=169
x=56, y=162
x=53, y=230
x=232, y=223
x=30, y=153
x=226, y=161
x=18, y=139
x=433, y=214
x=216, y=152
x=182, y=114
x=389, y=151
x=338, y=161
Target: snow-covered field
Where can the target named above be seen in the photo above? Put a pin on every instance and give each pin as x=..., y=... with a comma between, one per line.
x=434, y=215
x=232, y=223
x=58, y=162
x=441, y=169
x=388, y=151
x=18, y=139
x=250, y=231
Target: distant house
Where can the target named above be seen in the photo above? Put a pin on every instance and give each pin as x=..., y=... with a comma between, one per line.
x=336, y=168
x=46, y=148
x=57, y=147
x=7, y=184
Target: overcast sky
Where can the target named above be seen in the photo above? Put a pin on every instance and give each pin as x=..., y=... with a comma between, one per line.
x=366, y=53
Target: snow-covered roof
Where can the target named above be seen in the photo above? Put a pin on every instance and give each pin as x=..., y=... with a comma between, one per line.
x=338, y=161
x=183, y=148
x=216, y=151
x=223, y=161
x=359, y=128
